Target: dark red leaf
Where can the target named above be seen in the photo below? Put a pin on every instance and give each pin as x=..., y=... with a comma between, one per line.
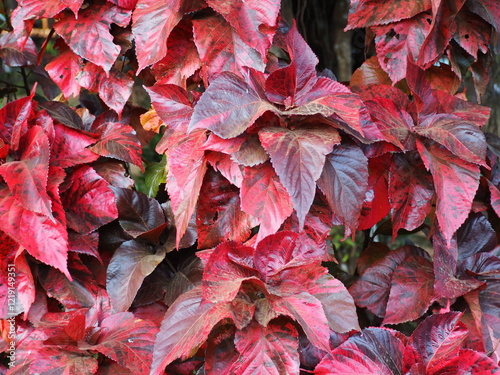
x=64, y=360
x=64, y=70
x=464, y=139
x=363, y=13
x=127, y=340
x=65, y=115
x=487, y=10
x=266, y=350
x=188, y=275
x=264, y=197
x=239, y=106
x=434, y=342
x=89, y=201
x=253, y=20
x=222, y=49
x=298, y=157
x=455, y=181
x=344, y=183
x=17, y=49
x=185, y=327
x=404, y=276
x=114, y=87
x=251, y=152
x=93, y=41
x=470, y=33
x=130, y=264
x=84, y=243
x=410, y=192
x=114, y=173
x=27, y=178
x=375, y=351
x=77, y=293
x=137, y=213
x=219, y=216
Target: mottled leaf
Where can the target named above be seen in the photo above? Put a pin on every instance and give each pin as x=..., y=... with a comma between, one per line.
x=64, y=70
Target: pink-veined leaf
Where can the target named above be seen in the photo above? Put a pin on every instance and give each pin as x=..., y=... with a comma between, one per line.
x=238, y=106
x=226, y=166
x=298, y=157
x=404, y=276
x=410, y=192
x=462, y=138
x=93, y=41
x=113, y=86
x=470, y=362
x=226, y=146
x=344, y=183
x=118, y=141
x=27, y=178
x=130, y=264
x=185, y=327
x=64, y=70
x=29, y=9
x=434, y=342
x=219, y=216
x=222, y=49
x=375, y=351
x=264, y=197
x=266, y=350
x=455, y=181
x=364, y=13
x=127, y=340
x=253, y=20
x=89, y=201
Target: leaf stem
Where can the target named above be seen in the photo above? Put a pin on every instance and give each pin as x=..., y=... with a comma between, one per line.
x=25, y=81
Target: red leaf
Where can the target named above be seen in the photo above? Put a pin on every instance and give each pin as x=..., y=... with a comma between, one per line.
x=434, y=342
x=264, y=197
x=25, y=283
x=464, y=139
x=226, y=166
x=182, y=59
x=27, y=178
x=69, y=147
x=239, y=106
x=470, y=33
x=219, y=216
x=118, y=141
x=225, y=272
x=130, y=264
x=114, y=87
x=127, y=340
x=43, y=238
x=398, y=42
x=152, y=23
x=67, y=360
x=487, y=10
x=185, y=327
x=253, y=20
x=495, y=198
x=93, y=41
x=84, y=243
x=455, y=181
x=470, y=362
x=14, y=117
x=187, y=168
x=344, y=183
x=290, y=84
x=410, y=192
x=405, y=275
x=172, y=104
x=327, y=98
x=298, y=157
x=375, y=351
x=89, y=201
x=363, y=13
x=266, y=350
x=284, y=250
x=222, y=49
x=36, y=9
x=64, y=70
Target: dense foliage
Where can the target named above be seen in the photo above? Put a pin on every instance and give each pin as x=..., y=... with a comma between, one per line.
x=192, y=233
